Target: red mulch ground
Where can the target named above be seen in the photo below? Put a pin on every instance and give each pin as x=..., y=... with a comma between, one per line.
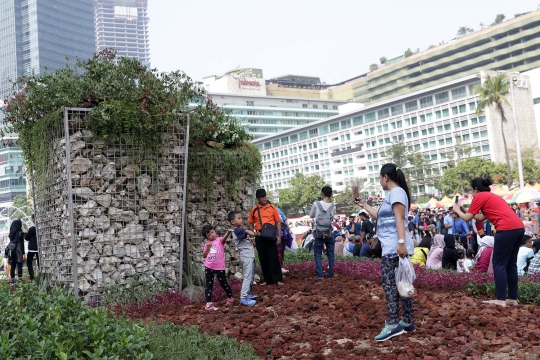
x=338, y=318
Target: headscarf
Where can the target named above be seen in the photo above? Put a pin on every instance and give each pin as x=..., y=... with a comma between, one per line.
x=438, y=243
x=15, y=228
x=483, y=244
x=450, y=241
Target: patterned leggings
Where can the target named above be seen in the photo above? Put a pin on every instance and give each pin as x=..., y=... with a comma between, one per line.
x=222, y=278
x=389, y=266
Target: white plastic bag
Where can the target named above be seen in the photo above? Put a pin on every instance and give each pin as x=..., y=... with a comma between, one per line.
x=405, y=277
x=293, y=248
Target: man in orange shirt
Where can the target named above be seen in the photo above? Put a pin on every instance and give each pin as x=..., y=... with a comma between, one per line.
x=266, y=213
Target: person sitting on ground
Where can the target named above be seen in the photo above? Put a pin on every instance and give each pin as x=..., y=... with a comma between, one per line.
x=412, y=230
x=348, y=246
x=339, y=245
x=525, y=254
x=483, y=260
x=365, y=251
x=460, y=266
x=434, y=259
x=357, y=246
x=420, y=253
x=449, y=252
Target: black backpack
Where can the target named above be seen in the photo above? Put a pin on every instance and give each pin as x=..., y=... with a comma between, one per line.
x=11, y=248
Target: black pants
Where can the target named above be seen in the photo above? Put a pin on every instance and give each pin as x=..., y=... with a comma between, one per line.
x=19, y=266
x=30, y=263
x=268, y=256
x=209, y=286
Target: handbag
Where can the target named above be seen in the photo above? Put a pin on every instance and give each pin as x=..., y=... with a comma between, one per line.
x=376, y=247
x=268, y=231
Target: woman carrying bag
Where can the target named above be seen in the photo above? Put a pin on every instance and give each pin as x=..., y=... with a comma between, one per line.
x=395, y=242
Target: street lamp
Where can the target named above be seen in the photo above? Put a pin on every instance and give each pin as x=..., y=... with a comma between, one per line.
x=520, y=166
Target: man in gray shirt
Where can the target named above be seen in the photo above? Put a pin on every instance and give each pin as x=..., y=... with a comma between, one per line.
x=323, y=211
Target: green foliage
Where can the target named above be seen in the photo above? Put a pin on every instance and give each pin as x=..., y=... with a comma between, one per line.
x=459, y=178
x=126, y=99
x=383, y=60
x=464, y=30
x=528, y=291
x=138, y=292
x=398, y=153
x=303, y=191
x=168, y=341
x=408, y=53
x=373, y=67
x=20, y=208
x=498, y=19
x=55, y=325
x=238, y=162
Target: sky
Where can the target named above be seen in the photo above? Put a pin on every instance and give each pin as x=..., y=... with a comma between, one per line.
x=333, y=39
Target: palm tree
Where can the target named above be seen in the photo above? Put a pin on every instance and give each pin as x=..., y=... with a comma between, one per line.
x=464, y=30
x=493, y=93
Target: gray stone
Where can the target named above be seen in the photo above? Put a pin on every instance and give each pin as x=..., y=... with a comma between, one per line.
x=103, y=200
x=81, y=165
x=87, y=209
x=131, y=234
x=131, y=171
x=144, y=215
x=83, y=192
x=102, y=222
x=157, y=249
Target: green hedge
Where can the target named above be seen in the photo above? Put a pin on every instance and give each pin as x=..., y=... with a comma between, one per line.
x=55, y=325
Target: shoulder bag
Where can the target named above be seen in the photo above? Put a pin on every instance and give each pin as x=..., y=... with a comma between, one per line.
x=268, y=231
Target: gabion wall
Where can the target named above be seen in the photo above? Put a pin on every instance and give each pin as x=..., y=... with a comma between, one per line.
x=213, y=207
x=114, y=208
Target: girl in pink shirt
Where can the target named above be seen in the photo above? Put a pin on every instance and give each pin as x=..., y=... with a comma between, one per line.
x=214, y=252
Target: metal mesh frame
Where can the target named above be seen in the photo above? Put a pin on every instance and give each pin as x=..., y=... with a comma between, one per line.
x=213, y=207
x=116, y=208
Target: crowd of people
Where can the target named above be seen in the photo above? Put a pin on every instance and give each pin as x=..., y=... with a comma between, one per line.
x=15, y=255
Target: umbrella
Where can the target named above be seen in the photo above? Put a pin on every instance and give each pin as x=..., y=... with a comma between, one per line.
x=502, y=191
x=525, y=196
x=297, y=230
x=446, y=201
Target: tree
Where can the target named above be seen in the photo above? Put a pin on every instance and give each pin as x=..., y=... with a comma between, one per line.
x=464, y=30
x=383, y=60
x=20, y=208
x=408, y=53
x=417, y=171
x=531, y=171
x=492, y=93
x=459, y=177
x=498, y=19
x=460, y=150
x=397, y=153
x=298, y=198
x=482, y=25
x=373, y=67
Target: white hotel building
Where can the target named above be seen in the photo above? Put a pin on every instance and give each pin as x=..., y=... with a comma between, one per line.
x=432, y=120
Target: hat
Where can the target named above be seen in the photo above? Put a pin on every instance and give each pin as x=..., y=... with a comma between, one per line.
x=260, y=193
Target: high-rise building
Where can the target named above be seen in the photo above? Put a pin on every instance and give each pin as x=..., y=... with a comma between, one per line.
x=431, y=121
x=36, y=36
x=123, y=25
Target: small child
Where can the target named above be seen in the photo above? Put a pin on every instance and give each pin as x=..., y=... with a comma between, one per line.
x=460, y=254
x=247, y=256
x=469, y=262
x=214, y=252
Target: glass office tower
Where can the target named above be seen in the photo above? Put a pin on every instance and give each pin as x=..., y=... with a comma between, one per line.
x=37, y=36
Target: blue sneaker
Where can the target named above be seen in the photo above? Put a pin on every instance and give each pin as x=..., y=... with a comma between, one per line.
x=247, y=302
x=407, y=328
x=252, y=297
x=389, y=332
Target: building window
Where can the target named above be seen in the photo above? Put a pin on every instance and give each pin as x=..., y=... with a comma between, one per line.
x=441, y=98
x=485, y=148
x=313, y=132
x=411, y=106
x=325, y=107
x=414, y=121
x=397, y=109
x=359, y=120
x=445, y=113
x=483, y=133
x=462, y=109
x=464, y=123
x=250, y=103
x=383, y=113
x=474, y=121
x=438, y=114
x=315, y=106
x=323, y=130
x=472, y=106
x=459, y=93
x=345, y=124
x=303, y=135
x=424, y=132
x=426, y=102
x=441, y=142
x=294, y=138
x=334, y=127
x=335, y=107
x=399, y=124
x=267, y=145
x=285, y=140
x=304, y=106
x=370, y=117
x=448, y=141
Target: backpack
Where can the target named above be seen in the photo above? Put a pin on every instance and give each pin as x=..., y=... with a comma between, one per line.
x=11, y=248
x=323, y=222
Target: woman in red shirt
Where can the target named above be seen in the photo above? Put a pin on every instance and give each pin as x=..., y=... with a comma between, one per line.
x=510, y=231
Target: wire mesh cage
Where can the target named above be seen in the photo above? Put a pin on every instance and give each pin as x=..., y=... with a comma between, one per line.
x=110, y=211
x=211, y=206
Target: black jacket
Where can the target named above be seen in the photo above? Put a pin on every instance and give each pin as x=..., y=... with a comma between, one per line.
x=449, y=258
x=31, y=237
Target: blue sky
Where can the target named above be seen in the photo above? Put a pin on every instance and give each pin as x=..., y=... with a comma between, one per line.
x=335, y=40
